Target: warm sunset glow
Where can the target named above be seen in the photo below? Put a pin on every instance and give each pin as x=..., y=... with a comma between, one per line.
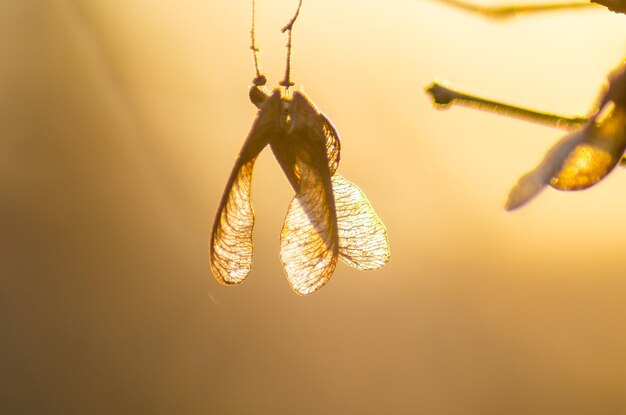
x=121, y=122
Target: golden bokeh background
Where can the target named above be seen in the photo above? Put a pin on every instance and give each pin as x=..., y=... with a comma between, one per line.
x=120, y=122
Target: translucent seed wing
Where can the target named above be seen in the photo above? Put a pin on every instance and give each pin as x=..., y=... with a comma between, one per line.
x=309, y=237
x=601, y=149
x=534, y=181
x=604, y=142
x=308, y=240
x=585, y=157
x=231, y=239
x=363, y=242
x=230, y=247
x=333, y=144
x=578, y=161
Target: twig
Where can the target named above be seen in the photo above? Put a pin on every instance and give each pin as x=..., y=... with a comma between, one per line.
x=444, y=97
x=259, y=79
x=505, y=12
x=287, y=82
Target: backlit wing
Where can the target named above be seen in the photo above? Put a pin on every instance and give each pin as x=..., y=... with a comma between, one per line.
x=309, y=238
x=604, y=144
x=533, y=182
x=582, y=158
x=578, y=161
x=363, y=240
x=597, y=155
x=230, y=247
x=333, y=144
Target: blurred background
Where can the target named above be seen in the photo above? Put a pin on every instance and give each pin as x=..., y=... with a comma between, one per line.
x=119, y=124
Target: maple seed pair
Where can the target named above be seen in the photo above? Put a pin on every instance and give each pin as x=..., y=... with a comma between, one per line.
x=328, y=219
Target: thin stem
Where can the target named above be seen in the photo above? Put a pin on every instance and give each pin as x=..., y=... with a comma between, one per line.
x=503, y=12
x=259, y=79
x=287, y=82
x=444, y=97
